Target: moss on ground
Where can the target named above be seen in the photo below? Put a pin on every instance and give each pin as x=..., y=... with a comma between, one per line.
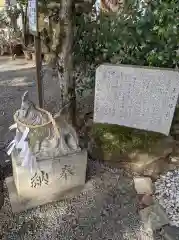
x=114, y=138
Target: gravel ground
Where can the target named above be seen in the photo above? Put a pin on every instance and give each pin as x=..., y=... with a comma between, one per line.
x=106, y=208
x=167, y=194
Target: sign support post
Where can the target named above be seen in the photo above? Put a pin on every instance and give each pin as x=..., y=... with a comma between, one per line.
x=38, y=69
x=34, y=28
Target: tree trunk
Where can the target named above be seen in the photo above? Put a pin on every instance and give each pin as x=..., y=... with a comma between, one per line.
x=50, y=28
x=14, y=23
x=66, y=32
x=25, y=26
x=24, y=23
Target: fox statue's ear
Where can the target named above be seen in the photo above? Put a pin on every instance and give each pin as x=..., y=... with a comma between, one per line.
x=25, y=96
x=64, y=112
x=65, y=108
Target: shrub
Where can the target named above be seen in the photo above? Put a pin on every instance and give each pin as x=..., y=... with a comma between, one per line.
x=147, y=36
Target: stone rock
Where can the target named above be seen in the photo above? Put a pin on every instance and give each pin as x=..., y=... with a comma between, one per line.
x=161, y=150
x=55, y=177
x=139, y=161
x=175, y=154
x=50, y=136
x=143, y=185
x=155, y=169
x=174, y=159
x=147, y=200
x=125, y=81
x=170, y=233
x=153, y=217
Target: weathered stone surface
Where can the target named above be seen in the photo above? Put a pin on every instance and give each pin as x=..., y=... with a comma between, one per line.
x=170, y=233
x=141, y=161
x=137, y=97
x=175, y=153
x=163, y=147
x=55, y=177
x=147, y=200
x=153, y=217
x=138, y=148
x=143, y=185
x=160, y=149
x=174, y=159
x=20, y=204
x=155, y=169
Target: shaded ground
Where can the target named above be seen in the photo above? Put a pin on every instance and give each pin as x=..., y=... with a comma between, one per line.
x=14, y=80
x=107, y=207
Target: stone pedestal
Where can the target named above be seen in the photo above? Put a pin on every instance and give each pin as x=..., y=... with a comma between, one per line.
x=28, y=55
x=33, y=57
x=58, y=178
x=153, y=217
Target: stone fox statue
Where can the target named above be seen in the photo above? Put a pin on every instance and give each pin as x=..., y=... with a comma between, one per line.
x=43, y=141
x=29, y=114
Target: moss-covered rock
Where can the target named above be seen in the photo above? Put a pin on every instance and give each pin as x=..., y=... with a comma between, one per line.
x=113, y=142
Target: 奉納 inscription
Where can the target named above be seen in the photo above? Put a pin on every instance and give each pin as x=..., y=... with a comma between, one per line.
x=143, y=98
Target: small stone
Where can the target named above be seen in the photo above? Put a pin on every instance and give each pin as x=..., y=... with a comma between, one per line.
x=147, y=200
x=153, y=217
x=143, y=185
x=174, y=159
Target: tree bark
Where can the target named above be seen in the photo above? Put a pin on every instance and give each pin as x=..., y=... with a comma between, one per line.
x=24, y=23
x=25, y=26
x=61, y=52
x=66, y=32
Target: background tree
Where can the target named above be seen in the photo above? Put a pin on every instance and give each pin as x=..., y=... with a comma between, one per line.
x=23, y=7
x=3, y=20
x=13, y=14
x=62, y=16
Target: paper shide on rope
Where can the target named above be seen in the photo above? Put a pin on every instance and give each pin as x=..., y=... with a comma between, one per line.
x=20, y=143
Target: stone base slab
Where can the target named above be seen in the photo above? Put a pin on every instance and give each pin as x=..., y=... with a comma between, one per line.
x=153, y=217
x=20, y=204
x=55, y=175
x=54, y=179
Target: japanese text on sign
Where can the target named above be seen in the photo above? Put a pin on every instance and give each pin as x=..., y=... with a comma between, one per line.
x=137, y=97
x=32, y=8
